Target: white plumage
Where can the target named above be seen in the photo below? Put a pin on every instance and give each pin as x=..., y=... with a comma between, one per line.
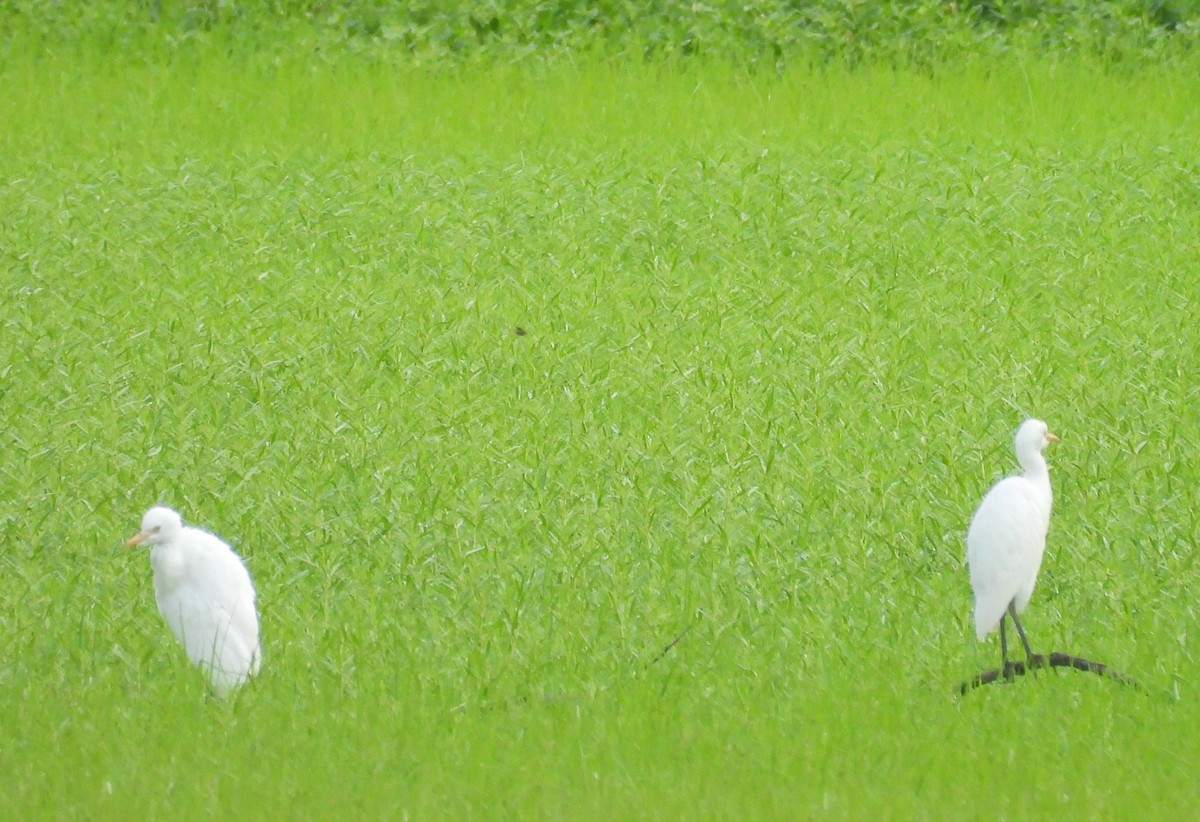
x=1007, y=537
x=205, y=594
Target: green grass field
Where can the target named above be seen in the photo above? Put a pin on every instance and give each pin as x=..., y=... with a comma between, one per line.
x=779, y=332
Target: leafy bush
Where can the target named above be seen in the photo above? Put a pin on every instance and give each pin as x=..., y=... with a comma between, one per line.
x=745, y=31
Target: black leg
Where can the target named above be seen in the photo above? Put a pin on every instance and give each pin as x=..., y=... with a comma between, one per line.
x=1004, y=665
x=1012, y=610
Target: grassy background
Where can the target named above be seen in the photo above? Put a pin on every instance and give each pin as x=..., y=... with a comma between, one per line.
x=779, y=332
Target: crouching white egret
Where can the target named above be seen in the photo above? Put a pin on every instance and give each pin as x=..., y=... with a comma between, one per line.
x=205, y=594
x=1007, y=538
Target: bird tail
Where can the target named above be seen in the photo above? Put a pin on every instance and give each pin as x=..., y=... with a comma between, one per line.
x=987, y=618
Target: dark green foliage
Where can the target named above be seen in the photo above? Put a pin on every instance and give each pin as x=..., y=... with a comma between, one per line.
x=906, y=32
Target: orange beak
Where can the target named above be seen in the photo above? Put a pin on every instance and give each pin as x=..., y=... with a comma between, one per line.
x=1052, y=438
x=135, y=539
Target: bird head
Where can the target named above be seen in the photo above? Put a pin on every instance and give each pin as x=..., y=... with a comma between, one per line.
x=158, y=525
x=1033, y=435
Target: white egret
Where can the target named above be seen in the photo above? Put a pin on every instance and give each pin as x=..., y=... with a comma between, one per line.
x=205, y=594
x=1007, y=538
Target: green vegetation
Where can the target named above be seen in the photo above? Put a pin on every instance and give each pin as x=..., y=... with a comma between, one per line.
x=773, y=32
x=779, y=329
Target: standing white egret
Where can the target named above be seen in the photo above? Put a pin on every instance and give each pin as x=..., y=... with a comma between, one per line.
x=205, y=594
x=1007, y=538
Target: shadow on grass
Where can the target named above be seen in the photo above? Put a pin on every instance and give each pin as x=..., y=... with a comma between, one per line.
x=1013, y=669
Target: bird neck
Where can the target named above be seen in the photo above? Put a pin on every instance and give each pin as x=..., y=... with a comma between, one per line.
x=1035, y=469
x=169, y=565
